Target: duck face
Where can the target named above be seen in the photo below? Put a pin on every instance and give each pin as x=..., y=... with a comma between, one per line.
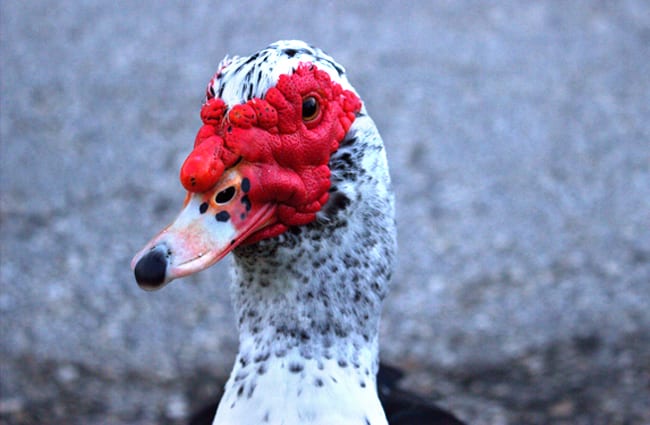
x=256, y=169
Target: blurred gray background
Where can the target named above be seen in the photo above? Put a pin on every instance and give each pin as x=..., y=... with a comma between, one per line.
x=519, y=139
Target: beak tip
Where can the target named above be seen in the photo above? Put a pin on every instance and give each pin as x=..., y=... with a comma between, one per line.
x=151, y=269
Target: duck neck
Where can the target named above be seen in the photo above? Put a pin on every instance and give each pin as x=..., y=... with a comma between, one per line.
x=322, y=299
x=308, y=306
x=308, y=330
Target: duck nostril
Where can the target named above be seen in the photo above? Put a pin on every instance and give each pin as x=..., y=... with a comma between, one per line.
x=225, y=195
x=151, y=269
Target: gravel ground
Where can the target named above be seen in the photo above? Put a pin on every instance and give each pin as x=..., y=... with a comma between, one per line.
x=518, y=135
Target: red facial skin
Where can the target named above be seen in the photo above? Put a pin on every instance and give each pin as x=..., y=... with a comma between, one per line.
x=283, y=155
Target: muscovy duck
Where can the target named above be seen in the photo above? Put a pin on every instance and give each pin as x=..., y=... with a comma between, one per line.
x=289, y=173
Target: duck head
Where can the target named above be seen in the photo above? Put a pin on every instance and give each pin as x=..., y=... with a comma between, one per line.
x=259, y=164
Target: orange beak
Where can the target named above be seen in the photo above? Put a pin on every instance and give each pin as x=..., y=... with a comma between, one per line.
x=210, y=225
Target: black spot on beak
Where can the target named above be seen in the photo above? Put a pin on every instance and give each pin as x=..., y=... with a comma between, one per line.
x=222, y=216
x=246, y=202
x=245, y=185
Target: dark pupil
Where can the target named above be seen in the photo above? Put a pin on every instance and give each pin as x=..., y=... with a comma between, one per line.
x=309, y=107
x=225, y=195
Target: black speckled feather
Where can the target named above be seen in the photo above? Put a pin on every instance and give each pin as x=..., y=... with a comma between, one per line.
x=401, y=407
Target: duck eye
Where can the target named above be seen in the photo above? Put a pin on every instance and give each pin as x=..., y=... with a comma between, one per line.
x=310, y=108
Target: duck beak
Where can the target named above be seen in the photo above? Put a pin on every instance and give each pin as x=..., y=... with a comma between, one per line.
x=210, y=225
